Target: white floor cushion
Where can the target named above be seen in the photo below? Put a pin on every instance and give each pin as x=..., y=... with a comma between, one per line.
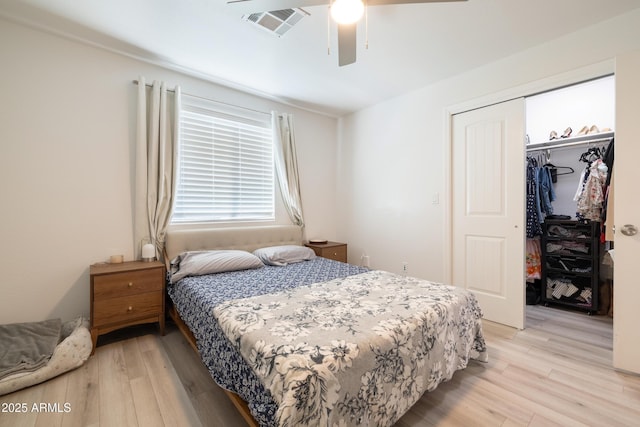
x=72, y=351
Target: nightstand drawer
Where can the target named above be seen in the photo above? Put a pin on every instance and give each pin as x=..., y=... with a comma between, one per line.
x=126, y=308
x=127, y=283
x=338, y=253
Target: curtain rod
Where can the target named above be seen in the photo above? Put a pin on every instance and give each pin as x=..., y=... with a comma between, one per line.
x=581, y=140
x=211, y=100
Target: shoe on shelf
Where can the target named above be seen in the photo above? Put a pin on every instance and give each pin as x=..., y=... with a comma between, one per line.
x=584, y=130
x=567, y=133
x=605, y=130
x=553, y=135
x=594, y=129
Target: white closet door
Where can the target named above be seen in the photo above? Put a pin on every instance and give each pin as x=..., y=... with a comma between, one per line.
x=488, y=209
x=626, y=323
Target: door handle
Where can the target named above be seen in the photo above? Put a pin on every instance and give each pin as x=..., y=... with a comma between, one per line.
x=629, y=230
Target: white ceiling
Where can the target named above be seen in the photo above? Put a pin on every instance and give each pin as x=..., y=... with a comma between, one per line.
x=410, y=45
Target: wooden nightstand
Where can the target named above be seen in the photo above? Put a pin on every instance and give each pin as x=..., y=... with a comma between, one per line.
x=126, y=294
x=332, y=250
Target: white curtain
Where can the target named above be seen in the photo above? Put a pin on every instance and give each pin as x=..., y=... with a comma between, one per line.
x=286, y=164
x=156, y=156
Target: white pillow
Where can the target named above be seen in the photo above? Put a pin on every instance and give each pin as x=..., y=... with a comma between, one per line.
x=283, y=255
x=197, y=263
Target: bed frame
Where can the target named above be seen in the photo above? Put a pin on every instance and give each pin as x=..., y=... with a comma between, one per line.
x=242, y=238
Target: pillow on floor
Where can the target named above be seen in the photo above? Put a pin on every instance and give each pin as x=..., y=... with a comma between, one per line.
x=74, y=349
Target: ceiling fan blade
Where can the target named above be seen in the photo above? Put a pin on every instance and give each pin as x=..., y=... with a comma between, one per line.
x=387, y=2
x=254, y=6
x=346, y=44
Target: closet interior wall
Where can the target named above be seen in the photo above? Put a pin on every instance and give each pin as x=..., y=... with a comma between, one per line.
x=585, y=104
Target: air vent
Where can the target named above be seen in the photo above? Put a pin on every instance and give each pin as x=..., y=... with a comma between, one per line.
x=277, y=22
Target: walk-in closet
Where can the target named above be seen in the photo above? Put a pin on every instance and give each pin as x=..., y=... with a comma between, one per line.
x=569, y=246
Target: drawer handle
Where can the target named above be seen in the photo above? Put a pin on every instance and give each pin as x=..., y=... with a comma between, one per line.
x=131, y=284
x=335, y=254
x=130, y=308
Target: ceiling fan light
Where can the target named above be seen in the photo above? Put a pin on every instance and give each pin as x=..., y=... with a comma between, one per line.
x=347, y=11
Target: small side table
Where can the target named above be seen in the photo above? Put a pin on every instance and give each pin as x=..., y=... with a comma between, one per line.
x=333, y=250
x=125, y=294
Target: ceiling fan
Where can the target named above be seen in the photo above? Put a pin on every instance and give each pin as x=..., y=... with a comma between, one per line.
x=346, y=13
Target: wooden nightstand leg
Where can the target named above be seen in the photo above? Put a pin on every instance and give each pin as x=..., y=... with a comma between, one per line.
x=161, y=324
x=94, y=339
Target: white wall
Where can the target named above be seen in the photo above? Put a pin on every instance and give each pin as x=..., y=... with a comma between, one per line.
x=67, y=127
x=392, y=159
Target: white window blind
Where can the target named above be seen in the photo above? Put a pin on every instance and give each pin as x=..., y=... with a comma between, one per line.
x=225, y=164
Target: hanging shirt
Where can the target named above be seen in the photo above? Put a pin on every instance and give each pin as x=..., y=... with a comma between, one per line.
x=583, y=178
x=547, y=195
x=533, y=220
x=592, y=198
x=538, y=196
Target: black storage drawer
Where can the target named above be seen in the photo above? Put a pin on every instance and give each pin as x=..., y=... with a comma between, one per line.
x=570, y=262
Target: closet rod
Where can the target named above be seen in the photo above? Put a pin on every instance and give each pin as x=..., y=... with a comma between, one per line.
x=135, y=82
x=570, y=142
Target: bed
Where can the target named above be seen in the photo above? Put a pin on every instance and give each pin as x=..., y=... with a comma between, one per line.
x=317, y=342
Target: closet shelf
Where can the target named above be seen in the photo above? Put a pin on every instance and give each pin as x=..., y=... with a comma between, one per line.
x=575, y=140
x=568, y=273
x=576, y=238
x=569, y=255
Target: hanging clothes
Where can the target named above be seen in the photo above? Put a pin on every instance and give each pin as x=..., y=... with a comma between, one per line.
x=607, y=222
x=546, y=192
x=533, y=201
x=534, y=255
x=591, y=200
x=543, y=171
x=534, y=229
x=607, y=209
x=583, y=178
x=608, y=160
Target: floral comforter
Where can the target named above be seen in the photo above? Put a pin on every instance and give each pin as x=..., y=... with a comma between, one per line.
x=195, y=298
x=359, y=350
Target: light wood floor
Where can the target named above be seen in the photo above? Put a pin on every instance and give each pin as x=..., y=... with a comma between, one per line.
x=556, y=372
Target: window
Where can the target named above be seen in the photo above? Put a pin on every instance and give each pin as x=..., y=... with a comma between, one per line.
x=225, y=164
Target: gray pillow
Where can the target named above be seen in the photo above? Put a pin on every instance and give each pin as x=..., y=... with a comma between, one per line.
x=197, y=263
x=283, y=255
